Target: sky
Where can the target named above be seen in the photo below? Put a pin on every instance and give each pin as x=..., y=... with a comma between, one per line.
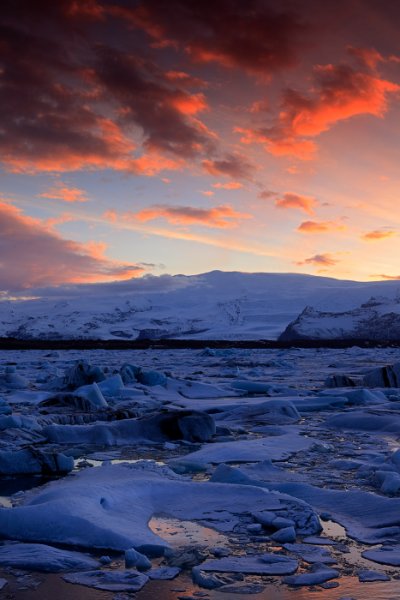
x=152, y=137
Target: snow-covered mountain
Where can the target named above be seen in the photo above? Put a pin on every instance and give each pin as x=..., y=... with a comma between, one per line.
x=377, y=319
x=215, y=305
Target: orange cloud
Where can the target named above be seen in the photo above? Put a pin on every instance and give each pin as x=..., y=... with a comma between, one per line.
x=319, y=226
x=60, y=191
x=230, y=185
x=33, y=255
x=207, y=193
x=338, y=92
x=377, y=234
x=324, y=260
x=291, y=200
x=218, y=217
x=189, y=104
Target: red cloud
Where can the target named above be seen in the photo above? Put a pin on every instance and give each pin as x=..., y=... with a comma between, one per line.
x=324, y=260
x=61, y=191
x=337, y=93
x=33, y=255
x=291, y=200
x=377, y=234
x=218, y=217
x=319, y=226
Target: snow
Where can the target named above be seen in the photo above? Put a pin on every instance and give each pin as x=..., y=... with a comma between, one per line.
x=213, y=305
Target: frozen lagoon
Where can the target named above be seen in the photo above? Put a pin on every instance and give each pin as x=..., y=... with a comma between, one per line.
x=281, y=436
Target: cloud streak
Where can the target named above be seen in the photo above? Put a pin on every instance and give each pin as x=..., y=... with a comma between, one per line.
x=378, y=234
x=218, y=217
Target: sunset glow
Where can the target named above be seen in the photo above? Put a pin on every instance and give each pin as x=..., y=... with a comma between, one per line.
x=151, y=137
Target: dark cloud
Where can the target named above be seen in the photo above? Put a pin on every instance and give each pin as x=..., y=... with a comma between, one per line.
x=70, y=99
x=258, y=36
x=319, y=260
x=235, y=166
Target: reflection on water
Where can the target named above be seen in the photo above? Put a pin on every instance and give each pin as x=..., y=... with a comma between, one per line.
x=179, y=534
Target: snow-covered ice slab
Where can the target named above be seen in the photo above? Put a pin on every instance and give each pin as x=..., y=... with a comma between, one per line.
x=258, y=564
x=189, y=425
x=40, y=557
x=113, y=581
x=314, y=577
x=260, y=449
x=367, y=517
x=109, y=507
x=386, y=555
x=311, y=554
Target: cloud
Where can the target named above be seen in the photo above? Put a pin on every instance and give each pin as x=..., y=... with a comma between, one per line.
x=337, y=93
x=61, y=191
x=253, y=36
x=75, y=102
x=207, y=193
x=320, y=260
x=218, y=217
x=231, y=165
x=378, y=234
x=291, y=200
x=319, y=227
x=33, y=255
x=230, y=185
x=388, y=277
x=267, y=194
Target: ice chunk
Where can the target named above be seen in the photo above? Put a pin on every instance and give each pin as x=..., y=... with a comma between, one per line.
x=193, y=426
x=365, y=576
x=257, y=564
x=110, y=507
x=161, y=573
x=34, y=461
x=133, y=558
x=113, y=581
x=276, y=448
x=285, y=535
x=385, y=555
x=388, y=376
x=92, y=396
x=314, y=577
x=311, y=554
x=39, y=557
x=80, y=374
x=112, y=385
